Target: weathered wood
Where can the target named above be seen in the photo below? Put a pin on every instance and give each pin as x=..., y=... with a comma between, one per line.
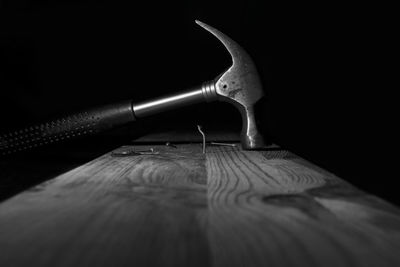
x=182, y=208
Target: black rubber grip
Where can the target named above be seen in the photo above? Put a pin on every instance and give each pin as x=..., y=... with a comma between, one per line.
x=77, y=125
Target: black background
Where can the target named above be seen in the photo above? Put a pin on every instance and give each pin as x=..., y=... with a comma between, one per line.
x=321, y=66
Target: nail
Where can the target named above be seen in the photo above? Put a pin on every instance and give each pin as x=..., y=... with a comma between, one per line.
x=131, y=152
x=222, y=144
x=204, y=138
x=171, y=145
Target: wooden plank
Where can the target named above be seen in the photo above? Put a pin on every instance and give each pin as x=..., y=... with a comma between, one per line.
x=182, y=208
x=112, y=211
x=276, y=209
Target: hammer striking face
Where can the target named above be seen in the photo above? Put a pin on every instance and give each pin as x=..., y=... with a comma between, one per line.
x=239, y=85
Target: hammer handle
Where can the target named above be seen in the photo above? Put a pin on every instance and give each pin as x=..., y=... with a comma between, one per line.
x=80, y=124
x=100, y=119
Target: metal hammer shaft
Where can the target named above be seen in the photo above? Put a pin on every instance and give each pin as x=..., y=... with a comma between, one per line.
x=195, y=95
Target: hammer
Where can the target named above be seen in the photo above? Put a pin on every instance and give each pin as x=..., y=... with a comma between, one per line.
x=239, y=85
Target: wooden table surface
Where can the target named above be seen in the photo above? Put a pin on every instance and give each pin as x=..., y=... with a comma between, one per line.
x=227, y=207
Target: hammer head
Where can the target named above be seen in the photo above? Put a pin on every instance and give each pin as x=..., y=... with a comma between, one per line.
x=241, y=86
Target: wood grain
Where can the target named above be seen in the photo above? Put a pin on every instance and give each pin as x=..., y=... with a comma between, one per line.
x=113, y=211
x=278, y=210
x=181, y=208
